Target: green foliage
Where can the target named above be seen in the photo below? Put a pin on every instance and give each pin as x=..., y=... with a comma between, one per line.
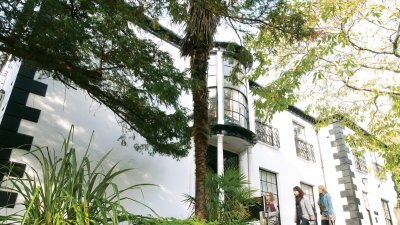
x=170, y=221
x=93, y=45
x=340, y=72
x=237, y=196
x=70, y=190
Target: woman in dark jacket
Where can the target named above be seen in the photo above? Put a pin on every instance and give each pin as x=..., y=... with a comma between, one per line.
x=304, y=211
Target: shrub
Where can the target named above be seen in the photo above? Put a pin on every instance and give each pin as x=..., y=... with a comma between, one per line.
x=233, y=209
x=65, y=190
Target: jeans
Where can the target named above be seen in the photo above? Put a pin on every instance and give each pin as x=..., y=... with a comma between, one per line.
x=327, y=222
x=303, y=222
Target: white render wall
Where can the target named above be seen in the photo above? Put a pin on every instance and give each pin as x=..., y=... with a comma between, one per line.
x=290, y=169
x=374, y=187
x=63, y=107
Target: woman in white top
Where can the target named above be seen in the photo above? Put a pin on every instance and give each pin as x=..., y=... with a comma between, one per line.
x=304, y=211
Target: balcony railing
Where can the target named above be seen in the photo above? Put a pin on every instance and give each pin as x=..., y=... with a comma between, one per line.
x=361, y=164
x=267, y=134
x=304, y=150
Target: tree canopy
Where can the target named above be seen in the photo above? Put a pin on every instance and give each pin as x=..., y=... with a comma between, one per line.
x=90, y=45
x=347, y=72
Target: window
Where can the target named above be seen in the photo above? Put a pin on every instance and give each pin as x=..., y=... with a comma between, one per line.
x=212, y=71
x=386, y=212
x=308, y=193
x=360, y=163
x=366, y=203
x=235, y=108
x=268, y=182
x=379, y=173
x=267, y=134
x=231, y=160
x=377, y=167
x=235, y=94
x=303, y=149
x=212, y=104
x=236, y=81
x=299, y=131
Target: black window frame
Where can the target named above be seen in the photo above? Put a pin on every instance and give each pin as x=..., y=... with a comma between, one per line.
x=230, y=105
x=310, y=196
x=386, y=212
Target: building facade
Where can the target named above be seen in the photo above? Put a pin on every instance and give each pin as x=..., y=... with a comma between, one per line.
x=274, y=156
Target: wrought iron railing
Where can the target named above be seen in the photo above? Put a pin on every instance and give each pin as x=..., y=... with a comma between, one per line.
x=304, y=150
x=361, y=164
x=267, y=134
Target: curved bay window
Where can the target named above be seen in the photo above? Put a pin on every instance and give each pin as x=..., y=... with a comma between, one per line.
x=212, y=71
x=235, y=107
x=235, y=104
x=212, y=104
x=235, y=100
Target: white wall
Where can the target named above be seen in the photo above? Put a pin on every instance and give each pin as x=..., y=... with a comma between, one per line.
x=374, y=187
x=63, y=107
x=290, y=169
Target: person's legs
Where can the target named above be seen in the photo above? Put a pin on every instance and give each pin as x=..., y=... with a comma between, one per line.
x=325, y=222
x=304, y=222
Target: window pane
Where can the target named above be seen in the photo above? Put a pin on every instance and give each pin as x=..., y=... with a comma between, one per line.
x=385, y=206
x=235, y=109
x=299, y=131
x=212, y=81
x=269, y=184
x=212, y=60
x=308, y=192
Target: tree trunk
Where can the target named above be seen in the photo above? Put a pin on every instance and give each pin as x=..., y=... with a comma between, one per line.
x=197, y=43
x=199, y=64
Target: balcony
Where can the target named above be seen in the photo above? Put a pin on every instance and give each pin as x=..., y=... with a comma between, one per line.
x=304, y=150
x=267, y=134
x=361, y=164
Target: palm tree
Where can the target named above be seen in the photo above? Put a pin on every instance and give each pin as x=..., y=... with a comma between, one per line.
x=197, y=43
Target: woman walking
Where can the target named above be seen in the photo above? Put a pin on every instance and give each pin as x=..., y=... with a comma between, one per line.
x=304, y=211
x=271, y=210
x=325, y=205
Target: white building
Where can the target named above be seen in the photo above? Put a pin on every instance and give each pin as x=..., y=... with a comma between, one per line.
x=275, y=157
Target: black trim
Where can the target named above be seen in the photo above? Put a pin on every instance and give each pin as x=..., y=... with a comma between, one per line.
x=10, y=138
x=10, y=123
x=19, y=96
x=300, y=113
x=5, y=153
x=15, y=140
x=12, y=169
x=293, y=109
x=23, y=112
x=8, y=199
x=33, y=86
x=235, y=131
x=236, y=51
